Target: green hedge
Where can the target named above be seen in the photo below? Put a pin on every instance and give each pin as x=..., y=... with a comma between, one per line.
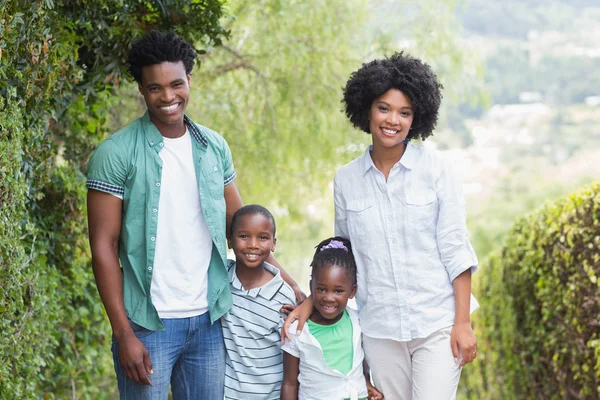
x=539, y=323
x=60, y=63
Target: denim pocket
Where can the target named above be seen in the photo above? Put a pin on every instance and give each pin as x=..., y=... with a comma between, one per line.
x=139, y=330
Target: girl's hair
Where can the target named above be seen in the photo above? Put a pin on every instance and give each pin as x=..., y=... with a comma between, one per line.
x=410, y=75
x=335, y=251
x=155, y=48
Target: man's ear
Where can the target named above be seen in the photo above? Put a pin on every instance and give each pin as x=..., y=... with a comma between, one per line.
x=229, y=242
x=189, y=79
x=140, y=88
x=273, y=245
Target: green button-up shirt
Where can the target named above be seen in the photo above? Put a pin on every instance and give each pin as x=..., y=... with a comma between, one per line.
x=127, y=164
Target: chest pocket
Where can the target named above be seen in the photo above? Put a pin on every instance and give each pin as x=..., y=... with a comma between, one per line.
x=215, y=181
x=422, y=207
x=362, y=216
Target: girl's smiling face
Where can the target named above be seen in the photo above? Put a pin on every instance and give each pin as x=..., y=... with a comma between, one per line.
x=331, y=287
x=390, y=118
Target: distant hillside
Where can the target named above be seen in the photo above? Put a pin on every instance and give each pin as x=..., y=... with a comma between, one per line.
x=515, y=18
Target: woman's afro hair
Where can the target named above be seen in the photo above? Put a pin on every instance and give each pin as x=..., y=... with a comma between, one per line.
x=157, y=47
x=400, y=71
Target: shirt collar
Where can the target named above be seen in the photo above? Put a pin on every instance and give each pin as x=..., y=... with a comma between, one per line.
x=155, y=138
x=409, y=158
x=267, y=291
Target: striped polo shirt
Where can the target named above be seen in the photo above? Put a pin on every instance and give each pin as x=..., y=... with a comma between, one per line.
x=251, y=330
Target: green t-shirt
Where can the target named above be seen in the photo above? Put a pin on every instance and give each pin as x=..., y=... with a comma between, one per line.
x=336, y=342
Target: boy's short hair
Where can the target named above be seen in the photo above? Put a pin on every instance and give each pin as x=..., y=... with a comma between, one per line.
x=410, y=75
x=251, y=209
x=157, y=47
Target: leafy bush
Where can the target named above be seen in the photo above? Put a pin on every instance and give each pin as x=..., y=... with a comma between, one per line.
x=60, y=62
x=539, y=323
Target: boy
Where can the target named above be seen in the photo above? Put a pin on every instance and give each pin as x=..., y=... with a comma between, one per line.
x=161, y=195
x=252, y=326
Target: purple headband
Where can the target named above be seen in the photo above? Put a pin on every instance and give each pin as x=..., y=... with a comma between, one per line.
x=334, y=244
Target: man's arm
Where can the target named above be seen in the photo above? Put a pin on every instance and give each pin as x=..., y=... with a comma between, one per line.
x=104, y=224
x=233, y=202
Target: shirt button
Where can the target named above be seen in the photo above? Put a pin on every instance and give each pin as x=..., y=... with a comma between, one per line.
x=149, y=268
x=153, y=238
x=155, y=210
x=161, y=144
x=157, y=183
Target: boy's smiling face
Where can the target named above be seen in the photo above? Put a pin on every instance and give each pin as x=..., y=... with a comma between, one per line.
x=252, y=240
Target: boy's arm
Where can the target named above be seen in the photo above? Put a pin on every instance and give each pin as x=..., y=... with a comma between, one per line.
x=233, y=202
x=289, y=386
x=104, y=223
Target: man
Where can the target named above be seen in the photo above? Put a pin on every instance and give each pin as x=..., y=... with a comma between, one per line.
x=161, y=196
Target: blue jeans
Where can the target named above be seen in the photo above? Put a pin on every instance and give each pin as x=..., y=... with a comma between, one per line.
x=189, y=355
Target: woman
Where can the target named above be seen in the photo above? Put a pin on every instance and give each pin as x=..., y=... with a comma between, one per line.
x=402, y=208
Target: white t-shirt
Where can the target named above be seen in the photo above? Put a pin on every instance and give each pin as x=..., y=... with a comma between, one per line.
x=183, y=242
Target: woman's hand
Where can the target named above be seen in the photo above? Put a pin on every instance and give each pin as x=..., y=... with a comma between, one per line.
x=301, y=313
x=463, y=342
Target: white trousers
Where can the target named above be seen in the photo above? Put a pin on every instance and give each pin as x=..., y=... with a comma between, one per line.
x=420, y=369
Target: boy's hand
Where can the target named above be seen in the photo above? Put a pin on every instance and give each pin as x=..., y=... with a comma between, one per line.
x=134, y=359
x=374, y=394
x=287, y=309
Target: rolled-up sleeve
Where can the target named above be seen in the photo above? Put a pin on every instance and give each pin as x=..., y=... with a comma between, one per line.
x=341, y=224
x=228, y=170
x=107, y=169
x=457, y=253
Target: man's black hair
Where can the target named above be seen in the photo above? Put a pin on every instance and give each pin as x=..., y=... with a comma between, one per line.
x=410, y=75
x=251, y=209
x=157, y=47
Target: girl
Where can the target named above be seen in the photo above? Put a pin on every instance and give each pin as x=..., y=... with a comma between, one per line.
x=403, y=209
x=325, y=361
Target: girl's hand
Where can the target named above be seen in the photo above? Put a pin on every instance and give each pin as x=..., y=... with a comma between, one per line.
x=301, y=313
x=463, y=342
x=374, y=394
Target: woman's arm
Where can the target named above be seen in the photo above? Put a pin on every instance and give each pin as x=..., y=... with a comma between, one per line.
x=462, y=339
x=291, y=369
x=301, y=313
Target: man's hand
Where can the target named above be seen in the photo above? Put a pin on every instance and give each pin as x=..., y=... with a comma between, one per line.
x=134, y=359
x=300, y=296
x=463, y=342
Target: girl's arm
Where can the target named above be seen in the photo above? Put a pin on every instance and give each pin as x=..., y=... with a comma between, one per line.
x=462, y=338
x=372, y=391
x=289, y=386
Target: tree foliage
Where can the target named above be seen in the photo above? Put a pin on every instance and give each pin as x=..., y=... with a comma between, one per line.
x=538, y=326
x=60, y=62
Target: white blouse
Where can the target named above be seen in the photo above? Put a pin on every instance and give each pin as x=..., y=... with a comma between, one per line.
x=409, y=238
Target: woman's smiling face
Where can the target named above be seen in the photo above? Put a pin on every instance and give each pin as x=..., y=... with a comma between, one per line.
x=390, y=118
